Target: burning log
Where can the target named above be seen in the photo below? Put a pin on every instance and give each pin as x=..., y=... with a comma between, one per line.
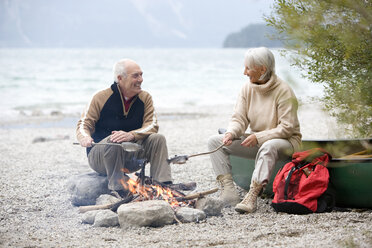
x=132, y=198
x=174, y=192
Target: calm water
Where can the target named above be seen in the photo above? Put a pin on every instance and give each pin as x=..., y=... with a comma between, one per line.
x=46, y=80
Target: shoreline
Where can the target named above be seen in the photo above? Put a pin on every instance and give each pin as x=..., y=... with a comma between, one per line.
x=315, y=123
x=70, y=120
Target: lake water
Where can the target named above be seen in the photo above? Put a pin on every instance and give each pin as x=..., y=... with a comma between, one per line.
x=46, y=80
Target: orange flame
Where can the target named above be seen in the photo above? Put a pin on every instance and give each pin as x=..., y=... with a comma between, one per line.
x=150, y=192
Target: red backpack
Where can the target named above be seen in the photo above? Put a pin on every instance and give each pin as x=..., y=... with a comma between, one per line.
x=300, y=187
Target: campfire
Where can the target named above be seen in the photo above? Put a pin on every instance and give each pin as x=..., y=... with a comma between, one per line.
x=147, y=202
x=155, y=191
x=144, y=189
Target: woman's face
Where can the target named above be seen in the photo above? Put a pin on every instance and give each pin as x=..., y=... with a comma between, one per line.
x=254, y=73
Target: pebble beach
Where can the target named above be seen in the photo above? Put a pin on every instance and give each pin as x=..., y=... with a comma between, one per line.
x=35, y=209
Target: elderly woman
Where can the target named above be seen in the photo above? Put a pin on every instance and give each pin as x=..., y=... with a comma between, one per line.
x=268, y=107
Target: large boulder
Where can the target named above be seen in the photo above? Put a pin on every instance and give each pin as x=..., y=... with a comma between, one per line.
x=86, y=188
x=155, y=213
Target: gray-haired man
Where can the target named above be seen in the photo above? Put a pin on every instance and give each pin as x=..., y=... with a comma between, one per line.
x=123, y=113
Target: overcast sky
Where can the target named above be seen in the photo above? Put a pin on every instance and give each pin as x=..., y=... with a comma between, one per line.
x=125, y=23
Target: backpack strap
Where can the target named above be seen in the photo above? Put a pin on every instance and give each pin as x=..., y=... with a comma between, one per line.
x=300, y=159
x=287, y=180
x=296, y=166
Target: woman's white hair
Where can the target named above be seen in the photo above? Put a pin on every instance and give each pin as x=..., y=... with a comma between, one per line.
x=261, y=56
x=120, y=69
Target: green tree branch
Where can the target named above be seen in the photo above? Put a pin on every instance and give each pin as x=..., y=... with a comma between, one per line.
x=333, y=40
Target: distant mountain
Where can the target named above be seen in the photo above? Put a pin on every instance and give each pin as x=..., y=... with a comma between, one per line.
x=254, y=35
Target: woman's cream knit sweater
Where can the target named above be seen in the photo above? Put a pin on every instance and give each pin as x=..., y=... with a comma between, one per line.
x=270, y=112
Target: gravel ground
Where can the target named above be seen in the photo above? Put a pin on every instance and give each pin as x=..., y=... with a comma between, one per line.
x=35, y=210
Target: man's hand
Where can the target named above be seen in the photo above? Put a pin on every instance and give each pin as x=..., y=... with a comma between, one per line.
x=250, y=141
x=227, y=140
x=121, y=136
x=86, y=142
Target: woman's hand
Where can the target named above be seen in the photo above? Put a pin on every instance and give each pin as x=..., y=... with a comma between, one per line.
x=227, y=139
x=250, y=141
x=121, y=136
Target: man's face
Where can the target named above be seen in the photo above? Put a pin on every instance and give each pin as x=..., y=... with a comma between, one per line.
x=131, y=84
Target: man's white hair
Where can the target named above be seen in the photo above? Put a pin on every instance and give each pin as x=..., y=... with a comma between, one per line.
x=120, y=68
x=261, y=56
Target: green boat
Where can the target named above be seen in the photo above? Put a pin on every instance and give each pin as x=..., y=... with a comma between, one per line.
x=350, y=172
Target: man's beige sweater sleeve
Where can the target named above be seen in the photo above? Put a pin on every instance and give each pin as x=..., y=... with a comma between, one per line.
x=91, y=114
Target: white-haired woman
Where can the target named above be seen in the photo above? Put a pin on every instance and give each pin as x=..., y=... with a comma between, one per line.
x=267, y=107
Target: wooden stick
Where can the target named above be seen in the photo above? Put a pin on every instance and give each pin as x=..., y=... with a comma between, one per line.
x=84, y=209
x=205, y=153
x=197, y=195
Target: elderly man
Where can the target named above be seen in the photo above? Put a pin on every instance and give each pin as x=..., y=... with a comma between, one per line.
x=123, y=113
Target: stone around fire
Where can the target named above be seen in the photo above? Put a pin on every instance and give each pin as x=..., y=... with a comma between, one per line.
x=106, y=199
x=210, y=206
x=86, y=188
x=88, y=217
x=147, y=213
x=106, y=218
x=186, y=214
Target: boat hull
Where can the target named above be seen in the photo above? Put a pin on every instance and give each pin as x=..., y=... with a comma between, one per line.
x=351, y=179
